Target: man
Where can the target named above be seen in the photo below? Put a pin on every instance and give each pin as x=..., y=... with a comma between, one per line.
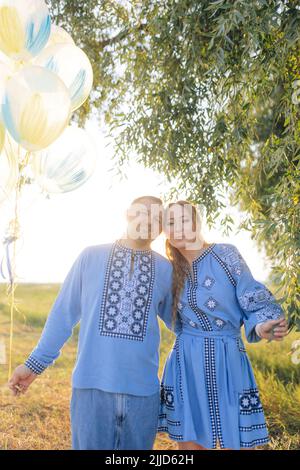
x=116, y=291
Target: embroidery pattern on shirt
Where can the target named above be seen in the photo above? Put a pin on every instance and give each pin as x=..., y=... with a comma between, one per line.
x=36, y=366
x=127, y=295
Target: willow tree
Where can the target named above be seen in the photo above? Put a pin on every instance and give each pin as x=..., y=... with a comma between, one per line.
x=207, y=93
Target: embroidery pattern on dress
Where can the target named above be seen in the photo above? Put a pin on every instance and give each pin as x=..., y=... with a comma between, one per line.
x=192, y=289
x=232, y=258
x=211, y=384
x=176, y=437
x=253, y=427
x=219, y=323
x=251, y=300
x=177, y=351
x=250, y=402
x=208, y=282
x=211, y=303
x=270, y=312
x=215, y=394
x=262, y=302
x=167, y=401
x=202, y=317
x=179, y=307
x=167, y=396
x=127, y=296
x=231, y=261
x=255, y=442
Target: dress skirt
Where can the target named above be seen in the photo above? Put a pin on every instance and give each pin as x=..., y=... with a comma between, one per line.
x=208, y=392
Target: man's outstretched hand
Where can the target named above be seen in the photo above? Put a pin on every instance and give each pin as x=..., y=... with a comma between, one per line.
x=21, y=379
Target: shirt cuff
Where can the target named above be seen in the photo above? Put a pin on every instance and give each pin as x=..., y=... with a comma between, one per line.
x=34, y=365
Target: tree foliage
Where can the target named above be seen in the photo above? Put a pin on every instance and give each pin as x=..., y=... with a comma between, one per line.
x=205, y=92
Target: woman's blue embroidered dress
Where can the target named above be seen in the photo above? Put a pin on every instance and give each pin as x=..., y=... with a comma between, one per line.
x=208, y=390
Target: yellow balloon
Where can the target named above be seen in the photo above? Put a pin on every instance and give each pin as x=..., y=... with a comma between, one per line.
x=36, y=107
x=72, y=65
x=25, y=27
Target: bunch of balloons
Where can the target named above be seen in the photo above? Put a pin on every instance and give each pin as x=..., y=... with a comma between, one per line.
x=44, y=78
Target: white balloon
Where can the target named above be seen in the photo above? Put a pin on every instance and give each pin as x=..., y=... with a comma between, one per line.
x=66, y=164
x=72, y=65
x=59, y=36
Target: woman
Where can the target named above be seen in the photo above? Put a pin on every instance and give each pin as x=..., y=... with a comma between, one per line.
x=209, y=395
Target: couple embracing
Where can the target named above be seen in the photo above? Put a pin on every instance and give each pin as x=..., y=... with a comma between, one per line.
x=204, y=293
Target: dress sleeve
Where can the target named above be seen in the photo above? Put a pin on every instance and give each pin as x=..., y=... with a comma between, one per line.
x=256, y=301
x=64, y=315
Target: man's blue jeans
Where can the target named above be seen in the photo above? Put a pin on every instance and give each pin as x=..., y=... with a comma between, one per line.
x=113, y=421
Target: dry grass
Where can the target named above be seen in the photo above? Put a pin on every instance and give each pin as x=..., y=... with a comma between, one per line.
x=40, y=419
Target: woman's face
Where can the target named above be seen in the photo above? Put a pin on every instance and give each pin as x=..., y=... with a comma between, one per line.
x=180, y=227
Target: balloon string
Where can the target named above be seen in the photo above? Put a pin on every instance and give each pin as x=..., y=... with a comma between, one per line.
x=13, y=285
x=12, y=266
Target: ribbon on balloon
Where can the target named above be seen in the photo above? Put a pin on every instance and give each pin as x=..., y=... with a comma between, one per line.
x=7, y=242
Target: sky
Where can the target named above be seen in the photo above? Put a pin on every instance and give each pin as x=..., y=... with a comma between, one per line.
x=54, y=230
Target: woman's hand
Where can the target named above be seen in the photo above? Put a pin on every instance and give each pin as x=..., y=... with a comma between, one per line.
x=273, y=329
x=21, y=379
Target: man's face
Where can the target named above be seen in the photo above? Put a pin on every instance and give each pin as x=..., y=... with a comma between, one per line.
x=144, y=220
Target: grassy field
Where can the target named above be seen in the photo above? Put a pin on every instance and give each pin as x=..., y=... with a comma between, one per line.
x=40, y=419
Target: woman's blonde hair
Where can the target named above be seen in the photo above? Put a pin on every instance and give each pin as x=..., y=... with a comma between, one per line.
x=179, y=262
